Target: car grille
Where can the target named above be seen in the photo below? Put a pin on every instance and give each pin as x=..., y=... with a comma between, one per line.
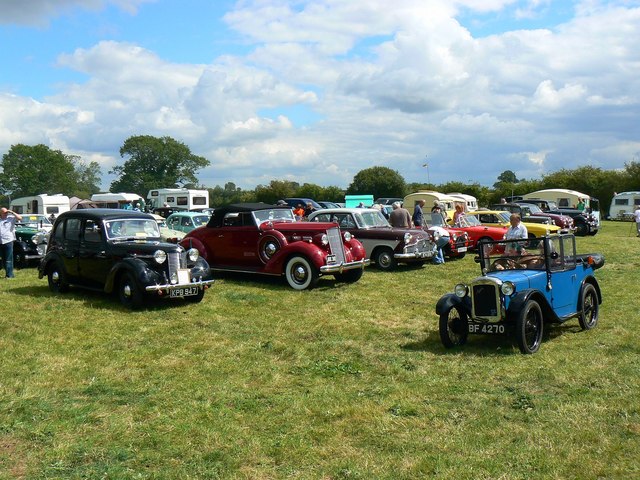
x=461, y=240
x=485, y=301
x=335, y=244
x=420, y=246
x=175, y=261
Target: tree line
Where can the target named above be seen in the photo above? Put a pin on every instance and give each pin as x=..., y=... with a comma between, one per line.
x=163, y=162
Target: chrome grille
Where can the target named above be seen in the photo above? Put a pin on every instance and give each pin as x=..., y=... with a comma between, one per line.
x=335, y=244
x=173, y=262
x=486, y=300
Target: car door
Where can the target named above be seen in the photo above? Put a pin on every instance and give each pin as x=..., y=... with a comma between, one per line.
x=565, y=284
x=93, y=260
x=235, y=243
x=70, y=246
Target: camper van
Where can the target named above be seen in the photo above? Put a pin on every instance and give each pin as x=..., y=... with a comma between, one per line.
x=124, y=201
x=183, y=198
x=42, y=204
x=623, y=205
x=471, y=202
x=447, y=202
x=567, y=199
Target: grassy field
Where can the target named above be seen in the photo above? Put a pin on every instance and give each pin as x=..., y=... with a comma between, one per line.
x=342, y=382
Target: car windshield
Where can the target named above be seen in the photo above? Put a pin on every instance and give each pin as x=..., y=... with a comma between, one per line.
x=35, y=221
x=371, y=219
x=523, y=254
x=132, y=228
x=435, y=219
x=468, y=221
x=200, y=220
x=275, y=214
x=505, y=216
x=535, y=209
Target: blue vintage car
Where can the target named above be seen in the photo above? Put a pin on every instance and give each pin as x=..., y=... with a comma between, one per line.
x=524, y=284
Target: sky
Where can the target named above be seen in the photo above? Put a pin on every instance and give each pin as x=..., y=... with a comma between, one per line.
x=315, y=91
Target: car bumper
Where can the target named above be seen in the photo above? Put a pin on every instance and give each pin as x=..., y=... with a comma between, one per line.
x=340, y=267
x=168, y=287
x=413, y=255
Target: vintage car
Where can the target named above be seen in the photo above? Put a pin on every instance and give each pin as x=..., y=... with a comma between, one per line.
x=565, y=222
x=37, y=221
x=500, y=218
x=477, y=232
x=524, y=284
x=29, y=246
x=266, y=239
x=187, y=221
x=385, y=245
x=532, y=214
x=120, y=251
x=167, y=234
x=459, y=242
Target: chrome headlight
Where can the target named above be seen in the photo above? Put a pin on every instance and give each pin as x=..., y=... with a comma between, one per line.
x=174, y=278
x=160, y=256
x=407, y=237
x=461, y=290
x=436, y=236
x=347, y=236
x=193, y=254
x=507, y=288
x=324, y=240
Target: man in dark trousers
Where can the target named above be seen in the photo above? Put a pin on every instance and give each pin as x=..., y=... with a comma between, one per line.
x=418, y=217
x=8, y=219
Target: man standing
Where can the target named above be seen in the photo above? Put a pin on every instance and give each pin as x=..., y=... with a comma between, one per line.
x=399, y=217
x=636, y=216
x=7, y=237
x=418, y=217
x=516, y=231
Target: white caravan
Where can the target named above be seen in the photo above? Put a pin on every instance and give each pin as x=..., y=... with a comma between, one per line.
x=623, y=205
x=470, y=202
x=178, y=197
x=446, y=202
x=42, y=204
x=124, y=201
x=565, y=198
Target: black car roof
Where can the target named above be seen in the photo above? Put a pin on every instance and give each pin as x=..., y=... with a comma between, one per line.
x=219, y=213
x=103, y=214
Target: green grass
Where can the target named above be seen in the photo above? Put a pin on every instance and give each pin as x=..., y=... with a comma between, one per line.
x=342, y=382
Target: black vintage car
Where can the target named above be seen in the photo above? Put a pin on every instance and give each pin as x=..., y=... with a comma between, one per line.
x=119, y=251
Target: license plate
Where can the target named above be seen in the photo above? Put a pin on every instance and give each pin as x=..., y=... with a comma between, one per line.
x=184, y=292
x=331, y=259
x=486, y=328
x=462, y=249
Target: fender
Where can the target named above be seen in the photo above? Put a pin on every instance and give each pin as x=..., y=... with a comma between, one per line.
x=450, y=300
x=517, y=302
x=142, y=274
x=590, y=280
x=192, y=242
x=310, y=251
x=46, y=261
x=271, y=242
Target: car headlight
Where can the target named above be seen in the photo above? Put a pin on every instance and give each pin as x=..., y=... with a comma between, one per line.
x=324, y=240
x=436, y=236
x=347, y=236
x=193, y=254
x=160, y=256
x=407, y=237
x=508, y=288
x=461, y=290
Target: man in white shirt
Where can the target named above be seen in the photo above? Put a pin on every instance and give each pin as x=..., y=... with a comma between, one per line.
x=516, y=231
x=636, y=216
x=7, y=237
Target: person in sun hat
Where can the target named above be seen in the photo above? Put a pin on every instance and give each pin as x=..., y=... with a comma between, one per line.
x=8, y=219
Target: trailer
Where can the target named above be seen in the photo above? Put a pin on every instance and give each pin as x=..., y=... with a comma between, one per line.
x=122, y=201
x=447, y=202
x=470, y=202
x=568, y=199
x=623, y=205
x=183, y=198
x=41, y=204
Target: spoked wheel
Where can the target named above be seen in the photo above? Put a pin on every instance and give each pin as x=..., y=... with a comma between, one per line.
x=590, y=308
x=454, y=327
x=529, y=327
x=57, y=279
x=129, y=293
x=300, y=273
x=385, y=260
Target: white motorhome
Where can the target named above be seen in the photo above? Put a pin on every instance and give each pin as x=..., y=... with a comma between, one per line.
x=124, y=201
x=565, y=198
x=178, y=197
x=623, y=205
x=42, y=204
x=471, y=202
x=446, y=202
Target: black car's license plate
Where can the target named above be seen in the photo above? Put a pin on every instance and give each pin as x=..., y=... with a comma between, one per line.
x=486, y=328
x=184, y=292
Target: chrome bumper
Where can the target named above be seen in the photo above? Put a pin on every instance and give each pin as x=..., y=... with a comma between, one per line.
x=168, y=287
x=414, y=255
x=340, y=267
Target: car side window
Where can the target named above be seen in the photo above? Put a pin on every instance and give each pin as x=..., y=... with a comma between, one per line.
x=345, y=220
x=92, y=232
x=323, y=217
x=72, y=229
x=232, y=220
x=186, y=222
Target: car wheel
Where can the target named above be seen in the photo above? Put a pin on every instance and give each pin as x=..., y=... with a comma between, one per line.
x=384, y=259
x=454, y=327
x=195, y=298
x=57, y=279
x=590, y=308
x=19, y=261
x=129, y=293
x=529, y=327
x=582, y=229
x=300, y=273
x=350, y=276
x=483, y=240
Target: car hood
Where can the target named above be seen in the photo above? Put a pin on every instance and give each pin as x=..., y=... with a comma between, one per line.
x=297, y=227
x=142, y=247
x=520, y=278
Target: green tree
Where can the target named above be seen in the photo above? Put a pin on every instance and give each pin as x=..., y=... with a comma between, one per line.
x=155, y=163
x=32, y=170
x=276, y=190
x=379, y=182
x=332, y=194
